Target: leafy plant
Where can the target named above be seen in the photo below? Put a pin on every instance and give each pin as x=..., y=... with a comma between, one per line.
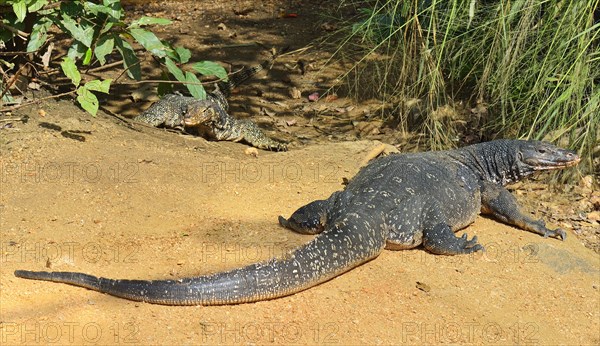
x=96, y=30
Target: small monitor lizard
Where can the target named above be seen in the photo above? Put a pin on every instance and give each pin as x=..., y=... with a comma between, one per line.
x=209, y=118
x=396, y=202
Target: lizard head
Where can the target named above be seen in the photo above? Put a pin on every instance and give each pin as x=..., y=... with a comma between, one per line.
x=197, y=114
x=535, y=156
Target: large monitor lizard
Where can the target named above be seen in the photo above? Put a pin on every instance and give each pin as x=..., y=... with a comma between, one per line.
x=209, y=118
x=399, y=202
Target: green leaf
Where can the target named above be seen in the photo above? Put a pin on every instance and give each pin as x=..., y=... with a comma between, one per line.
x=70, y=70
x=183, y=54
x=130, y=60
x=106, y=28
x=148, y=21
x=98, y=85
x=174, y=70
x=88, y=56
x=20, y=9
x=104, y=46
x=9, y=65
x=113, y=9
x=149, y=41
x=77, y=50
x=82, y=35
x=39, y=34
x=210, y=68
x=197, y=90
x=164, y=88
x=71, y=8
x=36, y=5
x=87, y=100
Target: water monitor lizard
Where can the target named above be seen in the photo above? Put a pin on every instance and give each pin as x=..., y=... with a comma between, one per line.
x=401, y=201
x=209, y=118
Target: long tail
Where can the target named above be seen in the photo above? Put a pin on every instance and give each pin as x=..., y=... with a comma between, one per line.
x=330, y=254
x=240, y=77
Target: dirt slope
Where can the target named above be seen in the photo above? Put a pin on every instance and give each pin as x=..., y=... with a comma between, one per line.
x=92, y=195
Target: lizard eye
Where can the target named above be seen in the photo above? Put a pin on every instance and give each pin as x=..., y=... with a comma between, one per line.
x=542, y=151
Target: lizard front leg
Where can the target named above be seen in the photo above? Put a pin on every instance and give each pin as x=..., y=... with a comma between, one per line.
x=497, y=201
x=309, y=219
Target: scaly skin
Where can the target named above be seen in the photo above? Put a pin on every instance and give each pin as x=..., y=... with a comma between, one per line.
x=400, y=201
x=209, y=118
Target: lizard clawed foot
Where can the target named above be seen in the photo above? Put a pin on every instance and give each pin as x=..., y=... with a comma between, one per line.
x=539, y=226
x=470, y=244
x=441, y=240
x=556, y=233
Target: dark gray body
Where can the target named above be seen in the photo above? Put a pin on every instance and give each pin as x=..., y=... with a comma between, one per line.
x=401, y=201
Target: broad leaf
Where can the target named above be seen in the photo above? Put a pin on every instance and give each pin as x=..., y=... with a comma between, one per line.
x=197, y=90
x=88, y=56
x=39, y=34
x=210, y=68
x=20, y=9
x=148, y=21
x=112, y=10
x=183, y=54
x=174, y=70
x=149, y=41
x=82, y=35
x=70, y=70
x=106, y=28
x=104, y=46
x=164, y=88
x=130, y=60
x=87, y=100
x=77, y=50
x=36, y=5
x=98, y=85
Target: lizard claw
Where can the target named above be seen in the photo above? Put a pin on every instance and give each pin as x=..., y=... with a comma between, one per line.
x=471, y=246
x=560, y=233
x=477, y=247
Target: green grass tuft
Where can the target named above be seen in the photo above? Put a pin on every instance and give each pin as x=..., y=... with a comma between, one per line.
x=533, y=66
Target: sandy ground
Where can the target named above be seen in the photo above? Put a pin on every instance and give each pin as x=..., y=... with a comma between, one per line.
x=92, y=195
x=151, y=204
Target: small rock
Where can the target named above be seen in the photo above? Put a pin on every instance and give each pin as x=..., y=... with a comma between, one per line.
x=423, y=286
x=595, y=215
x=595, y=200
x=587, y=182
x=251, y=151
x=313, y=97
x=331, y=97
x=328, y=26
x=295, y=93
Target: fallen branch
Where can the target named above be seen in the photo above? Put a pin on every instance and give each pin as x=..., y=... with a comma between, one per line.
x=8, y=120
x=12, y=108
x=19, y=33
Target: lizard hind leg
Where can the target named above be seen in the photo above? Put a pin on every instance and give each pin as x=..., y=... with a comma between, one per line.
x=440, y=239
x=309, y=219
